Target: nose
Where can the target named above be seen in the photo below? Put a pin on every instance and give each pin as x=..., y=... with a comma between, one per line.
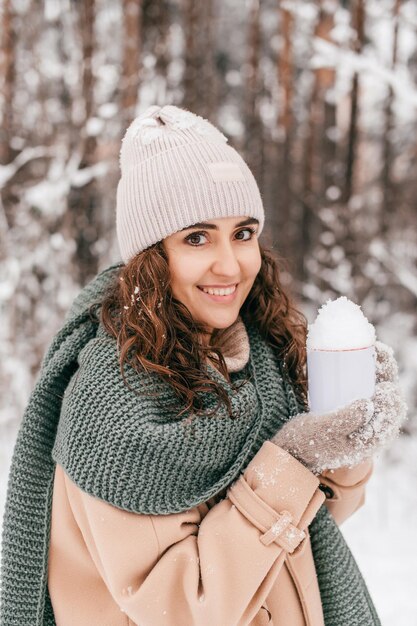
x=226, y=262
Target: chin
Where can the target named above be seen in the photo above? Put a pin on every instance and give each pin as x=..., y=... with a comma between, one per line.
x=224, y=323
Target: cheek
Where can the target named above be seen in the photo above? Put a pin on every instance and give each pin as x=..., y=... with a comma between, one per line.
x=252, y=263
x=184, y=274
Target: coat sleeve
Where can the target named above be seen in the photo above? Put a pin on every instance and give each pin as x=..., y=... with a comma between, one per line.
x=345, y=489
x=203, y=566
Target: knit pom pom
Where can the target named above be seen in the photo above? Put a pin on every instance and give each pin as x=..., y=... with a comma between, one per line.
x=145, y=130
x=155, y=123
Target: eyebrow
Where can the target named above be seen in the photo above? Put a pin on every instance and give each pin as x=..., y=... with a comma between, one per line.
x=250, y=220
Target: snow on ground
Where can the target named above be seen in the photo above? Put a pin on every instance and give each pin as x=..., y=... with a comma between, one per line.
x=383, y=534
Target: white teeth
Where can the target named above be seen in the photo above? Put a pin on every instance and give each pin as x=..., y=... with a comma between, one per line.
x=219, y=292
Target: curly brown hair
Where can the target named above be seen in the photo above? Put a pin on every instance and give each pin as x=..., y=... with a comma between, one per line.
x=156, y=332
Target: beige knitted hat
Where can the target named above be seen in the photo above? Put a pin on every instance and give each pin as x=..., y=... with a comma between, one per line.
x=176, y=170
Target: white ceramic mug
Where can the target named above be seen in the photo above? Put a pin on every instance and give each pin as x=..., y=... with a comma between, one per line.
x=337, y=377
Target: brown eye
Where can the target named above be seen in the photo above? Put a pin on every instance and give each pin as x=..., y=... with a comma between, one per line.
x=192, y=239
x=251, y=233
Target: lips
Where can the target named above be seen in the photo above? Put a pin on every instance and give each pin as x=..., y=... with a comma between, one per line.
x=220, y=299
x=217, y=286
x=206, y=289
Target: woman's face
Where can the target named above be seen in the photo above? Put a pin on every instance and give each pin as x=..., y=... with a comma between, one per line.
x=218, y=253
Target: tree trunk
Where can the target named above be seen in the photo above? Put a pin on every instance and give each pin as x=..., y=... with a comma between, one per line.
x=208, y=77
x=84, y=218
x=200, y=87
x=131, y=59
x=284, y=201
x=191, y=13
x=359, y=24
x=319, y=150
x=162, y=34
x=388, y=184
x=7, y=66
x=253, y=147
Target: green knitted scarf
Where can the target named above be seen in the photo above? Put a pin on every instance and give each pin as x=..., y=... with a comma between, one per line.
x=123, y=446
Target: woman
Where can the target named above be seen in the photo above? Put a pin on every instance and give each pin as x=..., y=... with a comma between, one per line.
x=167, y=470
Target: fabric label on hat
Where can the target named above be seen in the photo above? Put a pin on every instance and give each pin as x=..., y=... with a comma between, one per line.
x=225, y=171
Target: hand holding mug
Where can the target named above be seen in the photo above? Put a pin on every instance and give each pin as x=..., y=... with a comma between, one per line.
x=352, y=433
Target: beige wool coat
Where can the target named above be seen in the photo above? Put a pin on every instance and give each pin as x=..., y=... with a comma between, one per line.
x=243, y=558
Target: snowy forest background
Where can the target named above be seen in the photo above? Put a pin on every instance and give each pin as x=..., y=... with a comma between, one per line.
x=319, y=97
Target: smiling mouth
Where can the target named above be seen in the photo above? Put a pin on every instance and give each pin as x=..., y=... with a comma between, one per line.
x=216, y=291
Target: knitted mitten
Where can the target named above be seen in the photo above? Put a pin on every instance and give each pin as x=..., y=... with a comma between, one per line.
x=348, y=435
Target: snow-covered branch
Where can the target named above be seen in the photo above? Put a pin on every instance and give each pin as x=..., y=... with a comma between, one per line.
x=328, y=54
x=28, y=154
x=405, y=275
